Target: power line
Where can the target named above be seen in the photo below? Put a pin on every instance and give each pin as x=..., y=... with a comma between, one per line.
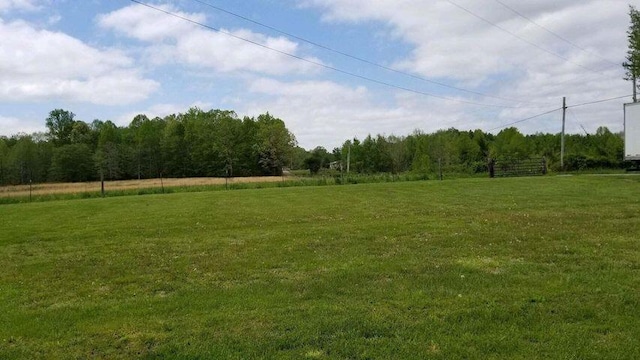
x=573, y=115
x=599, y=101
x=553, y=33
x=354, y=57
x=345, y=72
x=554, y=110
x=521, y=38
x=523, y=120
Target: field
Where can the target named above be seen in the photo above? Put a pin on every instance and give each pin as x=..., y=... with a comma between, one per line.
x=124, y=185
x=527, y=268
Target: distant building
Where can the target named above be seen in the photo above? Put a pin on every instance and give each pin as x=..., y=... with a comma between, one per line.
x=335, y=165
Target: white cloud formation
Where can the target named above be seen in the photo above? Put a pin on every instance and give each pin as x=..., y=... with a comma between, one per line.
x=11, y=126
x=453, y=45
x=41, y=65
x=26, y=5
x=327, y=113
x=174, y=40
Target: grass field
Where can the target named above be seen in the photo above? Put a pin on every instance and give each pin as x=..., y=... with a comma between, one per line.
x=527, y=268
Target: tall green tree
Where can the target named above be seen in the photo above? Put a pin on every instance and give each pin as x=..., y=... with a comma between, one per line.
x=275, y=144
x=60, y=124
x=107, y=156
x=228, y=141
x=174, y=148
x=22, y=160
x=632, y=63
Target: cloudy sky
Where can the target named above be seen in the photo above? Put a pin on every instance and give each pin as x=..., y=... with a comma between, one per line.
x=331, y=69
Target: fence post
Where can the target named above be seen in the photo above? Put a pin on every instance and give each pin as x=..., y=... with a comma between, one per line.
x=492, y=168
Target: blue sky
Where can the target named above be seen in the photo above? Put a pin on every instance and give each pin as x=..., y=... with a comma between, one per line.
x=501, y=61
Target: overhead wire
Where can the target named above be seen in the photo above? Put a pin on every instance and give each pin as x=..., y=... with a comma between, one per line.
x=575, y=118
x=354, y=57
x=599, y=101
x=523, y=39
x=523, y=120
x=319, y=64
x=554, y=110
x=553, y=33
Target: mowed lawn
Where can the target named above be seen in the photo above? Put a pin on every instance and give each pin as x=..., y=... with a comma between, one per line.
x=522, y=268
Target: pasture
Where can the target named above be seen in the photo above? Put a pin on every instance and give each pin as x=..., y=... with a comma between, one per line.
x=520, y=268
x=23, y=191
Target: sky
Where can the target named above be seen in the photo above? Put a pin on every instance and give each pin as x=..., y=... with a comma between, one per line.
x=331, y=69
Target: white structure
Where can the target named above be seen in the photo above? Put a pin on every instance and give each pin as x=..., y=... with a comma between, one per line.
x=632, y=132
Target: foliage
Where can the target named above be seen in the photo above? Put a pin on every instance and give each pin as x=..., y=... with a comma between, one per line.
x=632, y=63
x=469, y=269
x=72, y=163
x=61, y=125
x=319, y=158
x=217, y=143
x=274, y=144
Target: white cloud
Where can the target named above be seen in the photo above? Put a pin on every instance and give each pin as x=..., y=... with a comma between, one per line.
x=44, y=65
x=26, y=5
x=456, y=47
x=174, y=40
x=451, y=43
x=11, y=126
x=326, y=113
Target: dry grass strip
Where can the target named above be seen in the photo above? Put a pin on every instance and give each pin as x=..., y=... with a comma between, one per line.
x=75, y=188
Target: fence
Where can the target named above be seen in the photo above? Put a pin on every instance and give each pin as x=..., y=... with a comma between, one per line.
x=517, y=167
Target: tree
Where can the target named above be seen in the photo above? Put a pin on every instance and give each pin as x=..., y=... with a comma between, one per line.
x=397, y=153
x=418, y=147
x=107, y=157
x=81, y=133
x=135, y=129
x=22, y=160
x=511, y=144
x=73, y=162
x=319, y=158
x=4, y=152
x=275, y=144
x=60, y=124
x=632, y=65
x=228, y=140
x=174, y=148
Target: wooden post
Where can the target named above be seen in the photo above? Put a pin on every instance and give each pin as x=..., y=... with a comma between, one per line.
x=348, y=159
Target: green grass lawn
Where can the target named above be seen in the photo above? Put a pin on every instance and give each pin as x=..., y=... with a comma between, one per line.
x=522, y=268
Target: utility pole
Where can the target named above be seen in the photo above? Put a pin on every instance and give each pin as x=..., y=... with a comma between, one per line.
x=635, y=89
x=349, y=159
x=564, y=116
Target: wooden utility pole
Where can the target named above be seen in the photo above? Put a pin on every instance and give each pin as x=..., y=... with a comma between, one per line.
x=635, y=89
x=564, y=116
x=349, y=159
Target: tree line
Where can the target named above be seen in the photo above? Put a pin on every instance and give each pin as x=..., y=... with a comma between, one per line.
x=456, y=151
x=193, y=144
x=218, y=143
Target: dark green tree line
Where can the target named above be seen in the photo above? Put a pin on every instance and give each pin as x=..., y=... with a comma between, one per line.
x=219, y=143
x=194, y=143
